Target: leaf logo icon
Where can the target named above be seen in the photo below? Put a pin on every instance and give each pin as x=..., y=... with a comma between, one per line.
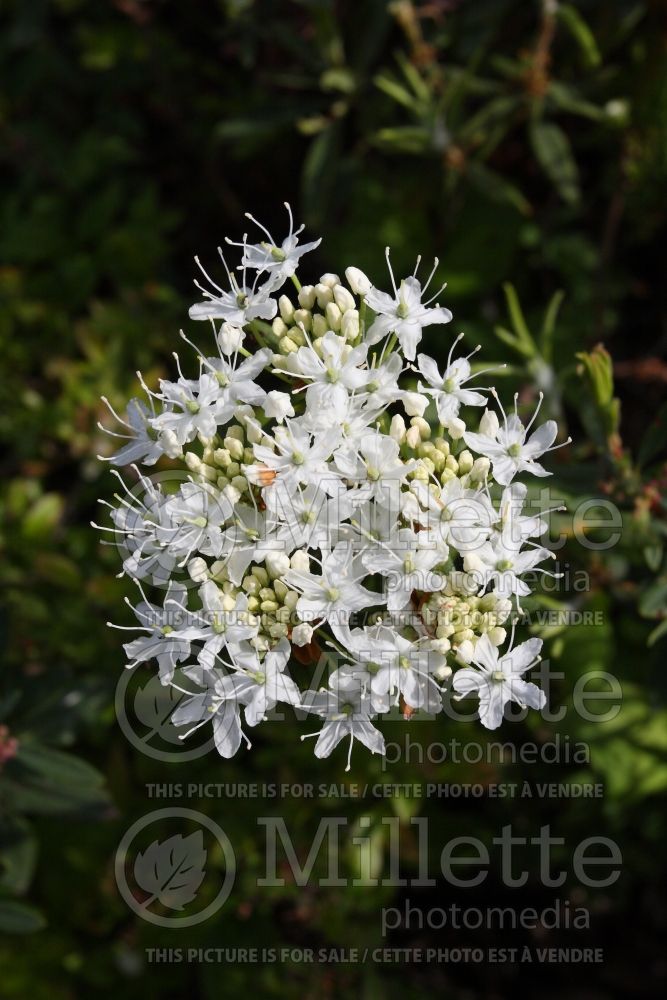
x=153, y=706
x=171, y=871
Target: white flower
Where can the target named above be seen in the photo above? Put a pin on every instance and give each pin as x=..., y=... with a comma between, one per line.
x=196, y=516
x=278, y=405
x=334, y=593
x=280, y=260
x=170, y=633
x=374, y=460
x=498, y=679
x=331, y=370
x=242, y=304
x=299, y=458
x=406, y=566
x=223, y=622
x=404, y=314
x=266, y=682
x=306, y=505
x=447, y=390
x=143, y=444
x=346, y=710
x=454, y=515
x=506, y=445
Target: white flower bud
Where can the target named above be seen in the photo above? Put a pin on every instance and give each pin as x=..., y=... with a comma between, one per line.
x=330, y=279
x=424, y=428
x=279, y=327
x=286, y=308
x=277, y=564
x=304, y=318
x=456, y=428
x=230, y=338
x=170, y=445
x=234, y=447
x=357, y=281
x=465, y=461
x=349, y=325
x=465, y=651
x=334, y=316
x=232, y=494
x=320, y=326
x=193, y=461
x=300, y=561
x=324, y=295
x=413, y=437
x=302, y=634
x=307, y=297
x=497, y=635
x=397, y=428
x=198, y=569
x=488, y=425
x=480, y=469
x=343, y=298
x=414, y=403
x=278, y=405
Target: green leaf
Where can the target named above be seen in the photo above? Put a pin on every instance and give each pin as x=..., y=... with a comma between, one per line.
x=57, y=768
x=658, y=632
x=574, y=22
x=495, y=187
x=43, y=516
x=554, y=154
x=403, y=139
x=395, y=90
x=549, y=325
x=18, y=918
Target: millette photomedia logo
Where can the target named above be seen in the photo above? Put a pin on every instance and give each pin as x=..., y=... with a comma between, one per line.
x=175, y=867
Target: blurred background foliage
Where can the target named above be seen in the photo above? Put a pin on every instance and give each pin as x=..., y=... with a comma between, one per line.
x=524, y=144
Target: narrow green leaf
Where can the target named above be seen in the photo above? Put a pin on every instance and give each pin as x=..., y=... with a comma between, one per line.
x=582, y=34
x=554, y=154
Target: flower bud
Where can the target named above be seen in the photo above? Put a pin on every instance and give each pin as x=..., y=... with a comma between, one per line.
x=307, y=297
x=424, y=428
x=414, y=403
x=497, y=635
x=349, y=325
x=302, y=634
x=277, y=564
x=465, y=651
x=334, y=316
x=170, y=444
x=397, y=428
x=198, y=569
x=278, y=405
x=287, y=309
x=456, y=428
x=320, y=326
x=488, y=425
x=193, y=461
x=324, y=295
x=329, y=279
x=357, y=281
x=279, y=327
x=343, y=298
x=465, y=461
x=300, y=561
x=480, y=469
x=230, y=338
x=287, y=346
x=304, y=318
x=234, y=447
x=413, y=437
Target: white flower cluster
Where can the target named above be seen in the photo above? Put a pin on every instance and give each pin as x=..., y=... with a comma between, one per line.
x=318, y=519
